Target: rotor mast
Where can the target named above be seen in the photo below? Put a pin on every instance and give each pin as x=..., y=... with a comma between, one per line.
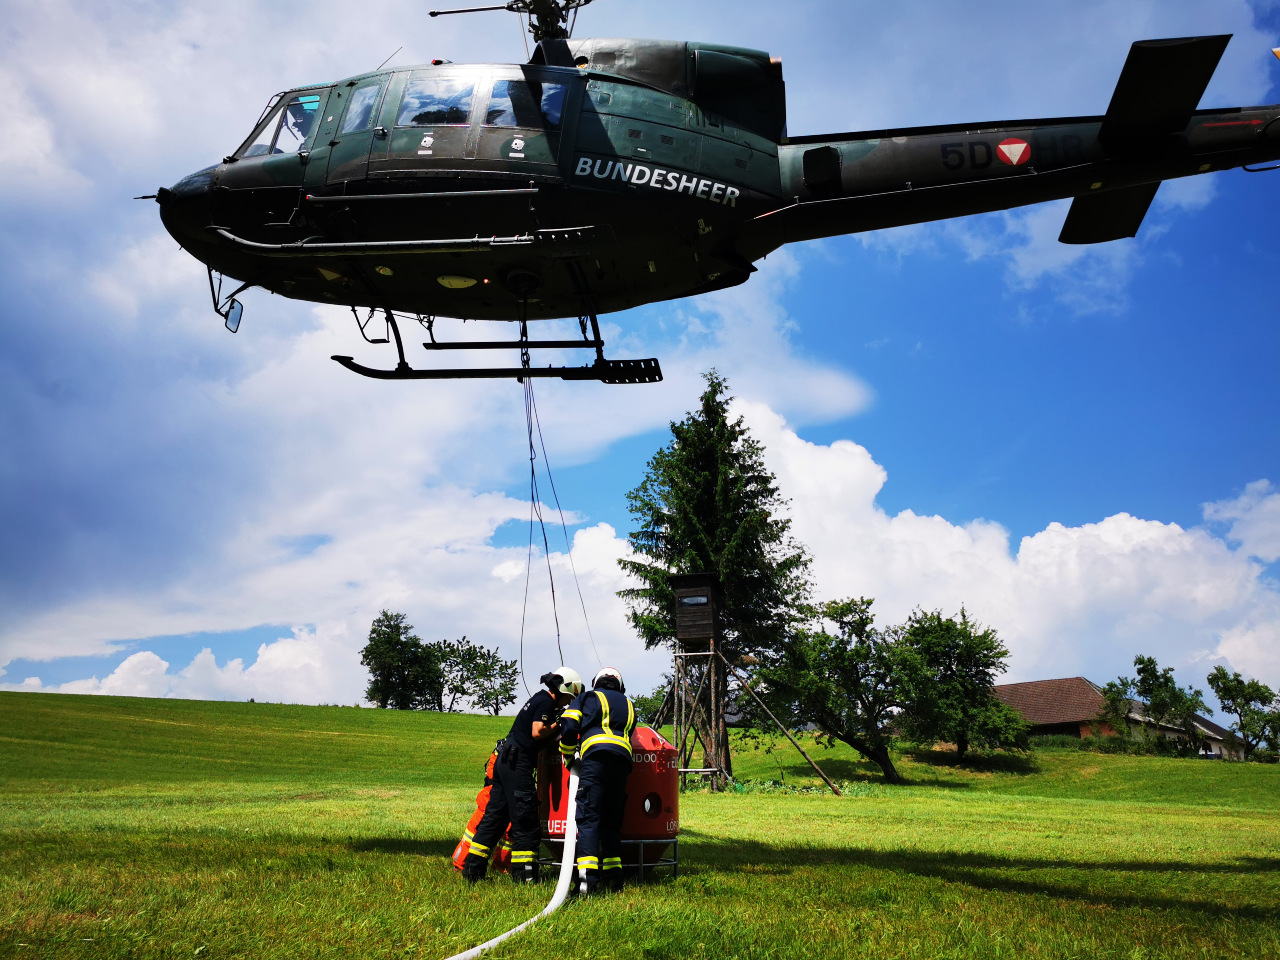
x=547, y=18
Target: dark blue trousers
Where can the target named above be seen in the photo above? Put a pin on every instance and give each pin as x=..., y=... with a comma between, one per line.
x=601, y=799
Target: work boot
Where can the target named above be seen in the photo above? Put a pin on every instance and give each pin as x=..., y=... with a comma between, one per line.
x=474, y=868
x=588, y=883
x=524, y=873
x=613, y=880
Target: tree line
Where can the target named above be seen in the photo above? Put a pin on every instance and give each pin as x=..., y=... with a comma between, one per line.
x=407, y=674
x=1153, y=695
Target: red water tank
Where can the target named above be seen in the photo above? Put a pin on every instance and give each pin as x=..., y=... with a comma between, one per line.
x=652, y=812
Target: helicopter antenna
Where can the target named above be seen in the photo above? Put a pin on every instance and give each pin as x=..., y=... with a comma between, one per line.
x=547, y=18
x=388, y=60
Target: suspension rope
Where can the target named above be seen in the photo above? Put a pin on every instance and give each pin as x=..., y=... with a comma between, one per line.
x=533, y=422
x=568, y=548
x=536, y=503
x=528, y=569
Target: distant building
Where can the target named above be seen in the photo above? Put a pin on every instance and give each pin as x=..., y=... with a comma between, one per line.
x=1073, y=705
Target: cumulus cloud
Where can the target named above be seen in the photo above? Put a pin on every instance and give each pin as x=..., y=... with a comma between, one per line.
x=304, y=668
x=1254, y=519
x=439, y=571
x=1068, y=600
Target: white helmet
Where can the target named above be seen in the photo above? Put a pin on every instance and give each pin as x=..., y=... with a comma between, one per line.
x=563, y=680
x=608, y=672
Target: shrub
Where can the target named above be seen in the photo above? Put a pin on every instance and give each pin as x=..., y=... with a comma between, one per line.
x=1056, y=741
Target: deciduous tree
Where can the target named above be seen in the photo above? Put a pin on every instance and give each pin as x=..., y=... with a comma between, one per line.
x=846, y=681
x=494, y=683
x=949, y=668
x=1251, y=702
x=404, y=673
x=1162, y=702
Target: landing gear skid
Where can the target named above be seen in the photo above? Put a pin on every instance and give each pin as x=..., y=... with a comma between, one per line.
x=604, y=370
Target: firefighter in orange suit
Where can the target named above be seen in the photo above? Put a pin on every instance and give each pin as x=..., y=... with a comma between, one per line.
x=598, y=725
x=513, y=798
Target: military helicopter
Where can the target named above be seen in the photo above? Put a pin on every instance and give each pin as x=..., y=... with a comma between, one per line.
x=604, y=174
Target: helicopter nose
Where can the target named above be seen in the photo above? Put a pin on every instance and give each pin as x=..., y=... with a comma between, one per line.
x=185, y=208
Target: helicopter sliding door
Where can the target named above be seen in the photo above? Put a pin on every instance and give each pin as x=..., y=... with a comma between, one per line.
x=524, y=120
x=357, y=130
x=431, y=132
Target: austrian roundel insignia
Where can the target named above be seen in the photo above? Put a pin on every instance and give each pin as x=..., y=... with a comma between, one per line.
x=1013, y=151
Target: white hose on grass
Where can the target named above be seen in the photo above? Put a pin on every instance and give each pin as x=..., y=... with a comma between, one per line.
x=562, y=885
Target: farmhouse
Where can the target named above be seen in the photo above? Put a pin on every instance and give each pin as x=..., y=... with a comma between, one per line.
x=1073, y=705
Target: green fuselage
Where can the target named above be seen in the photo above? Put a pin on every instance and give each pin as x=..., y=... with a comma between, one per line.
x=477, y=191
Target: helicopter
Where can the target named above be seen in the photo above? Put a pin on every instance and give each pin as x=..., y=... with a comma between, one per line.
x=604, y=174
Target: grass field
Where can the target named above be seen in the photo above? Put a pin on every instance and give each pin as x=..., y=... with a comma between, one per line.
x=181, y=829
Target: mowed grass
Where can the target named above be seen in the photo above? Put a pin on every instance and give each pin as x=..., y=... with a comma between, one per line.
x=149, y=828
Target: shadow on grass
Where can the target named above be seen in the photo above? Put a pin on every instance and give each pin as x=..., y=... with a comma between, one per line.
x=1015, y=763
x=859, y=771
x=421, y=848
x=991, y=872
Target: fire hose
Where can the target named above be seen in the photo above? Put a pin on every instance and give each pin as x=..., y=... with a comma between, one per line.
x=562, y=885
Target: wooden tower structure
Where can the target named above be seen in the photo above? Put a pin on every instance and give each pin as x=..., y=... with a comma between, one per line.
x=699, y=681
x=700, y=685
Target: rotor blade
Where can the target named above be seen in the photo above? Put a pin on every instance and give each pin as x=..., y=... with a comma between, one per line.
x=441, y=13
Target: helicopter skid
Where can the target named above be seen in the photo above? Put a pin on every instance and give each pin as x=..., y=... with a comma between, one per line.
x=606, y=371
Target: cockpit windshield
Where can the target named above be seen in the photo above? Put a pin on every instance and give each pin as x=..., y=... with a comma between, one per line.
x=287, y=126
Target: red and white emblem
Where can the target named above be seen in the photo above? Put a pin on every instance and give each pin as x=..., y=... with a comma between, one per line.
x=1013, y=151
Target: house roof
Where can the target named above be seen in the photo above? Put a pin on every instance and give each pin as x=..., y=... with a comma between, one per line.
x=1068, y=700
x=1076, y=700
x=1213, y=730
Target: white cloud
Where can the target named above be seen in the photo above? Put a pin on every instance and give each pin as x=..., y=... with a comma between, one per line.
x=1069, y=600
x=449, y=587
x=142, y=674
x=1255, y=520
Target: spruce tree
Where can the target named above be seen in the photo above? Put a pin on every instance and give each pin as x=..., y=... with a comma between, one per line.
x=707, y=504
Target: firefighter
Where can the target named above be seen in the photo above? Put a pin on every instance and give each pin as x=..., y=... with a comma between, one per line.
x=514, y=797
x=598, y=725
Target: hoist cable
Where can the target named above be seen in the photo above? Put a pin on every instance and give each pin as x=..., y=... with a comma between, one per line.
x=536, y=510
x=528, y=569
x=546, y=463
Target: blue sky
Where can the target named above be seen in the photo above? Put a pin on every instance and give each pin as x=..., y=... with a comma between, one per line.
x=1078, y=443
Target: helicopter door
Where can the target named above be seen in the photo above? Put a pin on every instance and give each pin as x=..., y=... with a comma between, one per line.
x=431, y=130
x=349, y=156
x=522, y=125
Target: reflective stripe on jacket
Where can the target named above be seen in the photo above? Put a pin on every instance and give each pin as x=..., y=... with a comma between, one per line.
x=597, y=719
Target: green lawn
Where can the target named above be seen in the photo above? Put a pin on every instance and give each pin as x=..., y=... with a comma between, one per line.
x=149, y=828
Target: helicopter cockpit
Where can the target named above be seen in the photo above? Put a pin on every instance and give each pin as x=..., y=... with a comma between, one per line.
x=286, y=124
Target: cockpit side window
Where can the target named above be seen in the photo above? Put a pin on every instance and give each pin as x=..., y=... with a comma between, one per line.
x=361, y=106
x=266, y=135
x=435, y=101
x=287, y=128
x=514, y=103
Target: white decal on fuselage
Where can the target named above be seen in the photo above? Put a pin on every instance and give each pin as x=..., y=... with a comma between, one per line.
x=640, y=175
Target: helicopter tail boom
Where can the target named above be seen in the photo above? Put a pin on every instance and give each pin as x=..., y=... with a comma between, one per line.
x=1112, y=165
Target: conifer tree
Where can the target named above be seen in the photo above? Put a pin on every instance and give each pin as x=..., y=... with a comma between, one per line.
x=707, y=504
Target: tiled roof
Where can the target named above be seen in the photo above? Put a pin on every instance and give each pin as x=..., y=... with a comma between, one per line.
x=1211, y=728
x=1069, y=700
x=1075, y=700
